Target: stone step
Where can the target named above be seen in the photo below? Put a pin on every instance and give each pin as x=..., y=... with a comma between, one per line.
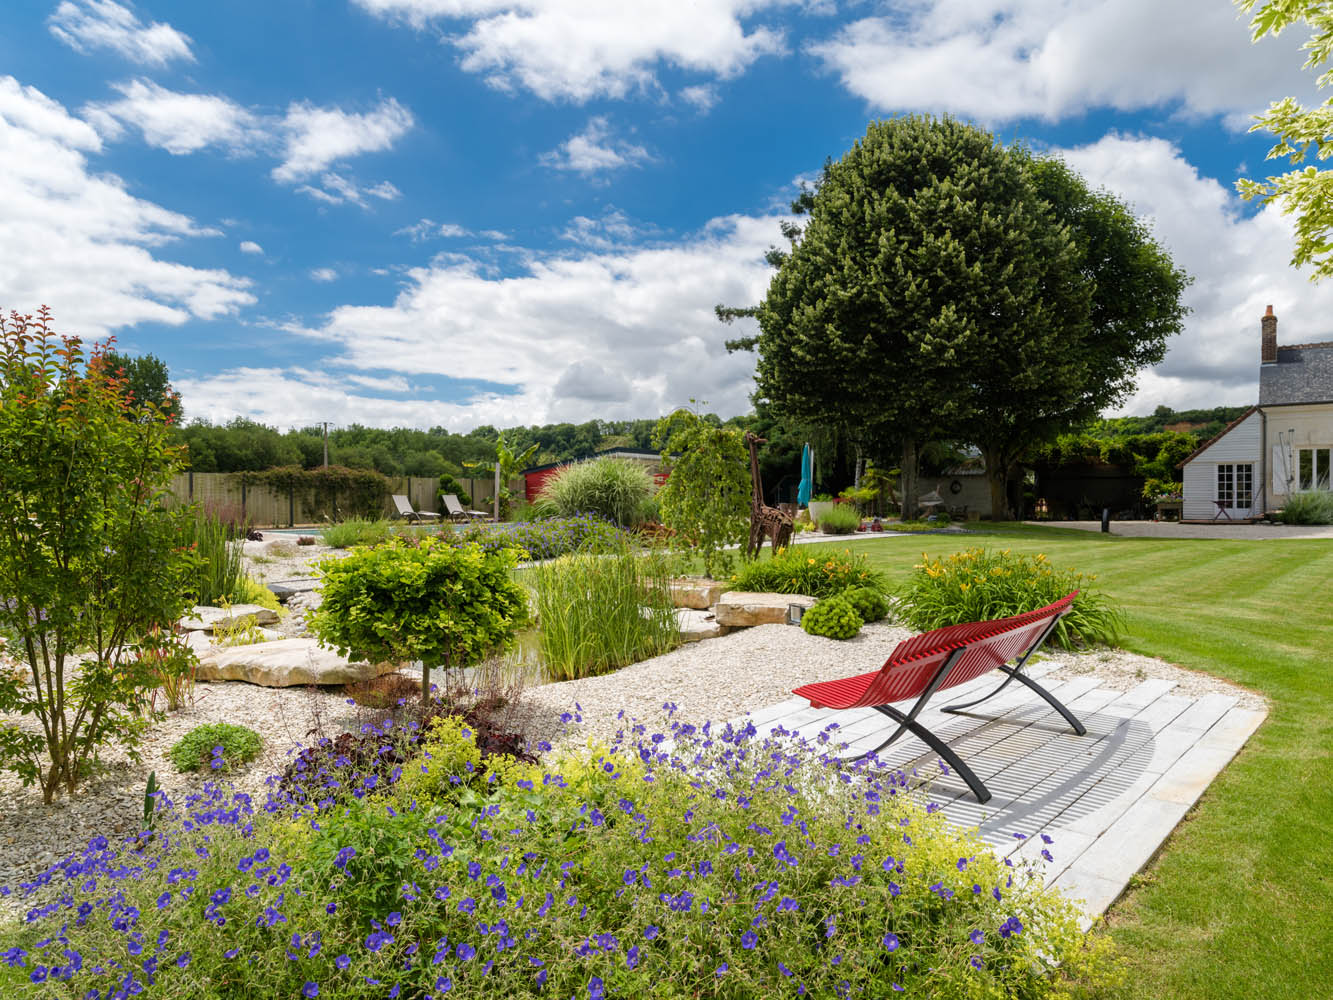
x=695, y=625
x=742, y=608
x=206, y=617
x=697, y=592
x=285, y=663
x=287, y=589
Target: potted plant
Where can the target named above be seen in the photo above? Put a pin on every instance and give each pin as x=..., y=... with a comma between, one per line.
x=820, y=505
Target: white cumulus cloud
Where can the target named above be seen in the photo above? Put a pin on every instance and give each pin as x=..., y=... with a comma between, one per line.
x=250, y=246
x=595, y=149
x=79, y=242
x=580, y=49
x=1239, y=262
x=323, y=274
x=618, y=333
x=1000, y=60
x=314, y=137
x=702, y=96
x=427, y=229
x=307, y=140
x=179, y=123
x=104, y=24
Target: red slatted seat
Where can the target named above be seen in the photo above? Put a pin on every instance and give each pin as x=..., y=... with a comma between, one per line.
x=945, y=658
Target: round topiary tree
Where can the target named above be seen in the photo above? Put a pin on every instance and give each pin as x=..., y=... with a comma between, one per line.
x=447, y=606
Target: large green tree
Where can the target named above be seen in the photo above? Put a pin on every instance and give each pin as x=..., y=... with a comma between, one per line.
x=147, y=381
x=929, y=276
x=1302, y=132
x=1035, y=387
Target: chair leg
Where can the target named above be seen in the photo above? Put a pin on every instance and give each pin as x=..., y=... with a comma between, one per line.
x=1051, y=700
x=935, y=743
x=1015, y=674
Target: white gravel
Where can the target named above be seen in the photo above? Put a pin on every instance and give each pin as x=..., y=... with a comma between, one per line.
x=717, y=679
x=723, y=678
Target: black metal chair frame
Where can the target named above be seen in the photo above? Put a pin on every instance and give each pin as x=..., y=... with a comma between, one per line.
x=907, y=721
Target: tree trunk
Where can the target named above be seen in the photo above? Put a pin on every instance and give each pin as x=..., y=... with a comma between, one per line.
x=997, y=476
x=907, y=479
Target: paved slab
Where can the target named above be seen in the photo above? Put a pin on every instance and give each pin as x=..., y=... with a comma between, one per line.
x=1107, y=800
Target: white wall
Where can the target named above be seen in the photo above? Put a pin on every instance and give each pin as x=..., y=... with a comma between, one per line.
x=1313, y=427
x=1240, y=444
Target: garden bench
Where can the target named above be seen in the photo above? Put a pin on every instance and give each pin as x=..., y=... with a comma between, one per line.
x=934, y=661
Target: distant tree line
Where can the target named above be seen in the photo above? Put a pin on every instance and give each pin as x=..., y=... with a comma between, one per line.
x=242, y=445
x=1150, y=444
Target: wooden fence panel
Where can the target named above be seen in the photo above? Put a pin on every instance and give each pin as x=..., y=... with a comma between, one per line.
x=263, y=507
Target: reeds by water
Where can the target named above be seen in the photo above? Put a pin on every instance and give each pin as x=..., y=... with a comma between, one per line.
x=602, y=609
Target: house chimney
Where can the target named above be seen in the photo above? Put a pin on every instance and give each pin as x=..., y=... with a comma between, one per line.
x=1268, y=338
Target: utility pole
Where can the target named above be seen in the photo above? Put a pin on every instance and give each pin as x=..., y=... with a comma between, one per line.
x=326, y=444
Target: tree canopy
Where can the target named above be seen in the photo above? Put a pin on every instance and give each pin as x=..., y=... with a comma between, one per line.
x=1306, y=193
x=948, y=287
x=146, y=380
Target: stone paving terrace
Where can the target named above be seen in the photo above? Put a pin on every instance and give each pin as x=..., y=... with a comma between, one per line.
x=1107, y=800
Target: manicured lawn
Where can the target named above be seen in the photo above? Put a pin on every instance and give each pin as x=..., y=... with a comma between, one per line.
x=1239, y=903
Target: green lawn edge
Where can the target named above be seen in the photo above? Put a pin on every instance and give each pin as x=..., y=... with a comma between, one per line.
x=1238, y=903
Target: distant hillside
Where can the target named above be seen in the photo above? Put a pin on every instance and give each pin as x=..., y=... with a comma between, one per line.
x=1203, y=424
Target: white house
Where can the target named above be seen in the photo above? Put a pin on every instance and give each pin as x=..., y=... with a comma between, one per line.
x=1282, y=445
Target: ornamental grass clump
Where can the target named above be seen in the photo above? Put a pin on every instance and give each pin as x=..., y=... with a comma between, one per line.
x=982, y=584
x=1308, y=507
x=602, y=609
x=358, y=531
x=818, y=573
x=220, y=569
x=695, y=862
x=841, y=520
x=615, y=488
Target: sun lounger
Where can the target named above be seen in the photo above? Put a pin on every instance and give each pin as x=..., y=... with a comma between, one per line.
x=945, y=658
x=456, y=512
x=405, y=510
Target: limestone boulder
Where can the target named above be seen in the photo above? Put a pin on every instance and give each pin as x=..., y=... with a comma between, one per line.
x=698, y=592
x=199, y=641
x=695, y=625
x=285, y=590
x=743, y=608
x=206, y=618
x=285, y=663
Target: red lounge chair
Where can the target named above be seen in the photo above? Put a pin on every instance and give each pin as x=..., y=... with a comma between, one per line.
x=945, y=658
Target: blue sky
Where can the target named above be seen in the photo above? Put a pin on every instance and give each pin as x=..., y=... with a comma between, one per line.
x=460, y=212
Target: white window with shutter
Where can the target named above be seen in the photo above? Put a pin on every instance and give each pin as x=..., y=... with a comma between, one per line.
x=1313, y=468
